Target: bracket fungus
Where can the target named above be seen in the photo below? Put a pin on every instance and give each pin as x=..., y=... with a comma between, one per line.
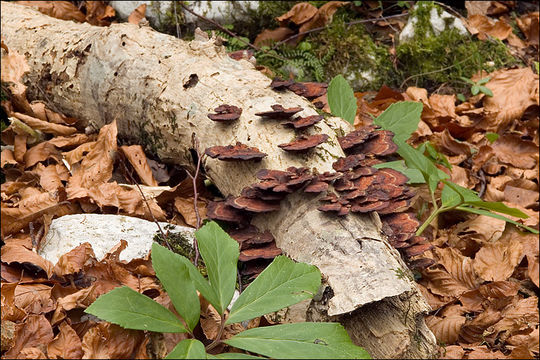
x=279, y=84
x=226, y=113
x=235, y=152
x=303, y=122
x=251, y=236
x=279, y=112
x=309, y=90
x=219, y=210
x=304, y=142
x=252, y=204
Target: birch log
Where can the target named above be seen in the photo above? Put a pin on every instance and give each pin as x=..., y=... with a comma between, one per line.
x=141, y=78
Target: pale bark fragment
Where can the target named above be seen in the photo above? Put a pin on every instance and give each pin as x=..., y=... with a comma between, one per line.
x=140, y=78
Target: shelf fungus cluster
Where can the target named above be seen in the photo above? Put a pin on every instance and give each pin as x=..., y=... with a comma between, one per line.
x=226, y=113
x=235, y=152
x=309, y=90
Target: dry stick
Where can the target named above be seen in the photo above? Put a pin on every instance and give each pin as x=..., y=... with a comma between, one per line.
x=148, y=206
x=218, y=337
x=196, y=195
x=324, y=27
x=176, y=22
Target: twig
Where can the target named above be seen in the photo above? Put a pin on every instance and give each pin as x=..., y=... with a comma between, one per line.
x=324, y=27
x=176, y=21
x=482, y=183
x=147, y=205
x=218, y=337
x=32, y=237
x=196, y=195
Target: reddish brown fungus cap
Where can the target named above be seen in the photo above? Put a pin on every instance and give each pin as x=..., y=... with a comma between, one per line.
x=279, y=84
x=421, y=263
x=348, y=162
x=304, y=122
x=267, y=252
x=316, y=186
x=357, y=137
x=251, y=236
x=255, y=193
x=310, y=90
x=219, y=210
x=279, y=112
x=252, y=205
x=417, y=249
x=235, y=152
x=304, y=142
x=381, y=144
x=226, y=113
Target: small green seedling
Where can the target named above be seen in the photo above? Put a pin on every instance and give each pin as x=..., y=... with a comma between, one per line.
x=478, y=87
x=281, y=284
x=341, y=99
x=492, y=137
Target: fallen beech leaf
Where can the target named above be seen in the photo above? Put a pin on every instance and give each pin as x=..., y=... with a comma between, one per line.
x=20, y=254
x=526, y=345
x=323, y=17
x=521, y=314
x=66, y=345
x=46, y=127
x=9, y=310
x=267, y=37
x=137, y=158
x=75, y=260
x=137, y=15
x=453, y=351
x=497, y=261
x=7, y=158
x=68, y=141
x=513, y=150
x=63, y=10
x=459, y=266
x=34, y=298
x=41, y=152
x=440, y=282
x=528, y=24
x=77, y=154
x=109, y=341
x=41, y=111
x=299, y=14
x=97, y=13
x=482, y=352
x=19, y=147
x=482, y=25
x=13, y=67
x=473, y=330
x=48, y=177
x=185, y=207
x=35, y=331
x=446, y=329
x=472, y=300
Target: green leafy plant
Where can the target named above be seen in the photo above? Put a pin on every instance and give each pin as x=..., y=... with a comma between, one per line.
x=492, y=137
x=281, y=284
x=478, y=87
x=341, y=99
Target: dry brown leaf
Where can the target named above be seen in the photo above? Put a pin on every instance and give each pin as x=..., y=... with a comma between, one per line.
x=46, y=127
x=481, y=228
x=9, y=310
x=526, y=345
x=77, y=154
x=19, y=147
x=109, y=341
x=49, y=179
x=41, y=152
x=20, y=254
x=137, y=158
x=446, y=329
x=137, y=15
x=267, y=37
x=440, y=282
x=520, y=315
x=514, y=91
x=185, y=207
x=66, y=345
x=75, y=260
x=31, y=353
x=299, y=14
x=13, y=67
x=63, y=10
x=7, y=158
x=41, y=111
x=323, y=17
x=496, y=261
x=472, y=300
x=36, y=331
x=459, y=266
x=98, y=12
x=528, y=24
x=473, y=330
x=513, y=150
x=482, y=25
x=453, y=352
x=520, y=196
x=34, y=298
x=97, y=166
x=69, y=141
x=482, y=352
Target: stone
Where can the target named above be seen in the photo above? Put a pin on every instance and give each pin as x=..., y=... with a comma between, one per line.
x=104, y=232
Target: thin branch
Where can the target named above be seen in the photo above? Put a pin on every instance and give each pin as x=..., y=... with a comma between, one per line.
x=176, y=21
x=218, y=337
x=147, y=205
x=196, y=195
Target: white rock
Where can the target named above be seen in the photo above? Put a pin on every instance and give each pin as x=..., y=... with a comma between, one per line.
x=224, y=12
x=104, y=232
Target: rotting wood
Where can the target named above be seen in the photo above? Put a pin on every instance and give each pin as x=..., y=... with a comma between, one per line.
x=136, y=75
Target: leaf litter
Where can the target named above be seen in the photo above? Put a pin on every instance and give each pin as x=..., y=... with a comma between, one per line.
x=483, y=288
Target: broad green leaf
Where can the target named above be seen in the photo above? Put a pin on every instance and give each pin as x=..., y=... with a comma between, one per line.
x=461, y=97
x=220, y=253
x=467, y=80
x=416, y=160
x=492, y=137
x=401, y=118
x=237, y=356
x=498, y=207
x=437, y=156
x=299, y=341
x=451, y=192
x=485, y=90
x=341, y=99
x=475, y=89
x=188, y=349
x=129, y=309
x=483, y=81
x=414, y=175
x=281, y=284
x=174, y=275
x=496, y=216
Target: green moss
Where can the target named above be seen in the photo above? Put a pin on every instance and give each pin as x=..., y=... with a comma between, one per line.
x=365, y=64
x=181, y=245
x=428, y=60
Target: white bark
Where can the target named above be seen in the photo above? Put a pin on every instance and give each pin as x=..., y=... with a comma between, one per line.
x=136, y=76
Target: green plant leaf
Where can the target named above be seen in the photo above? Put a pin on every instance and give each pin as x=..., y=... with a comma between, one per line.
x=188, y=349
x=485, y=90
x=174, y=275
x=437, y=156
x=129, y=309
x=416, y=160
x=414, y=175
x=483, y=81
x=461, y=97
x=341, y=99
x=237, y=356
x=468, y=81
x=220, y=253
x=299, y=341
x=401, y=118
x=492, y=137
x=498, y=207
x=451, y=192
x=475, y=89
x=496, y=216
x=281, y=284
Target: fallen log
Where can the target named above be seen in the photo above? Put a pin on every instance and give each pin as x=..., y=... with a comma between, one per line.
x=160, y=90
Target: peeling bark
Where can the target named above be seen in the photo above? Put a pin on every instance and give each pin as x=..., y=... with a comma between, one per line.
x=160, y=90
